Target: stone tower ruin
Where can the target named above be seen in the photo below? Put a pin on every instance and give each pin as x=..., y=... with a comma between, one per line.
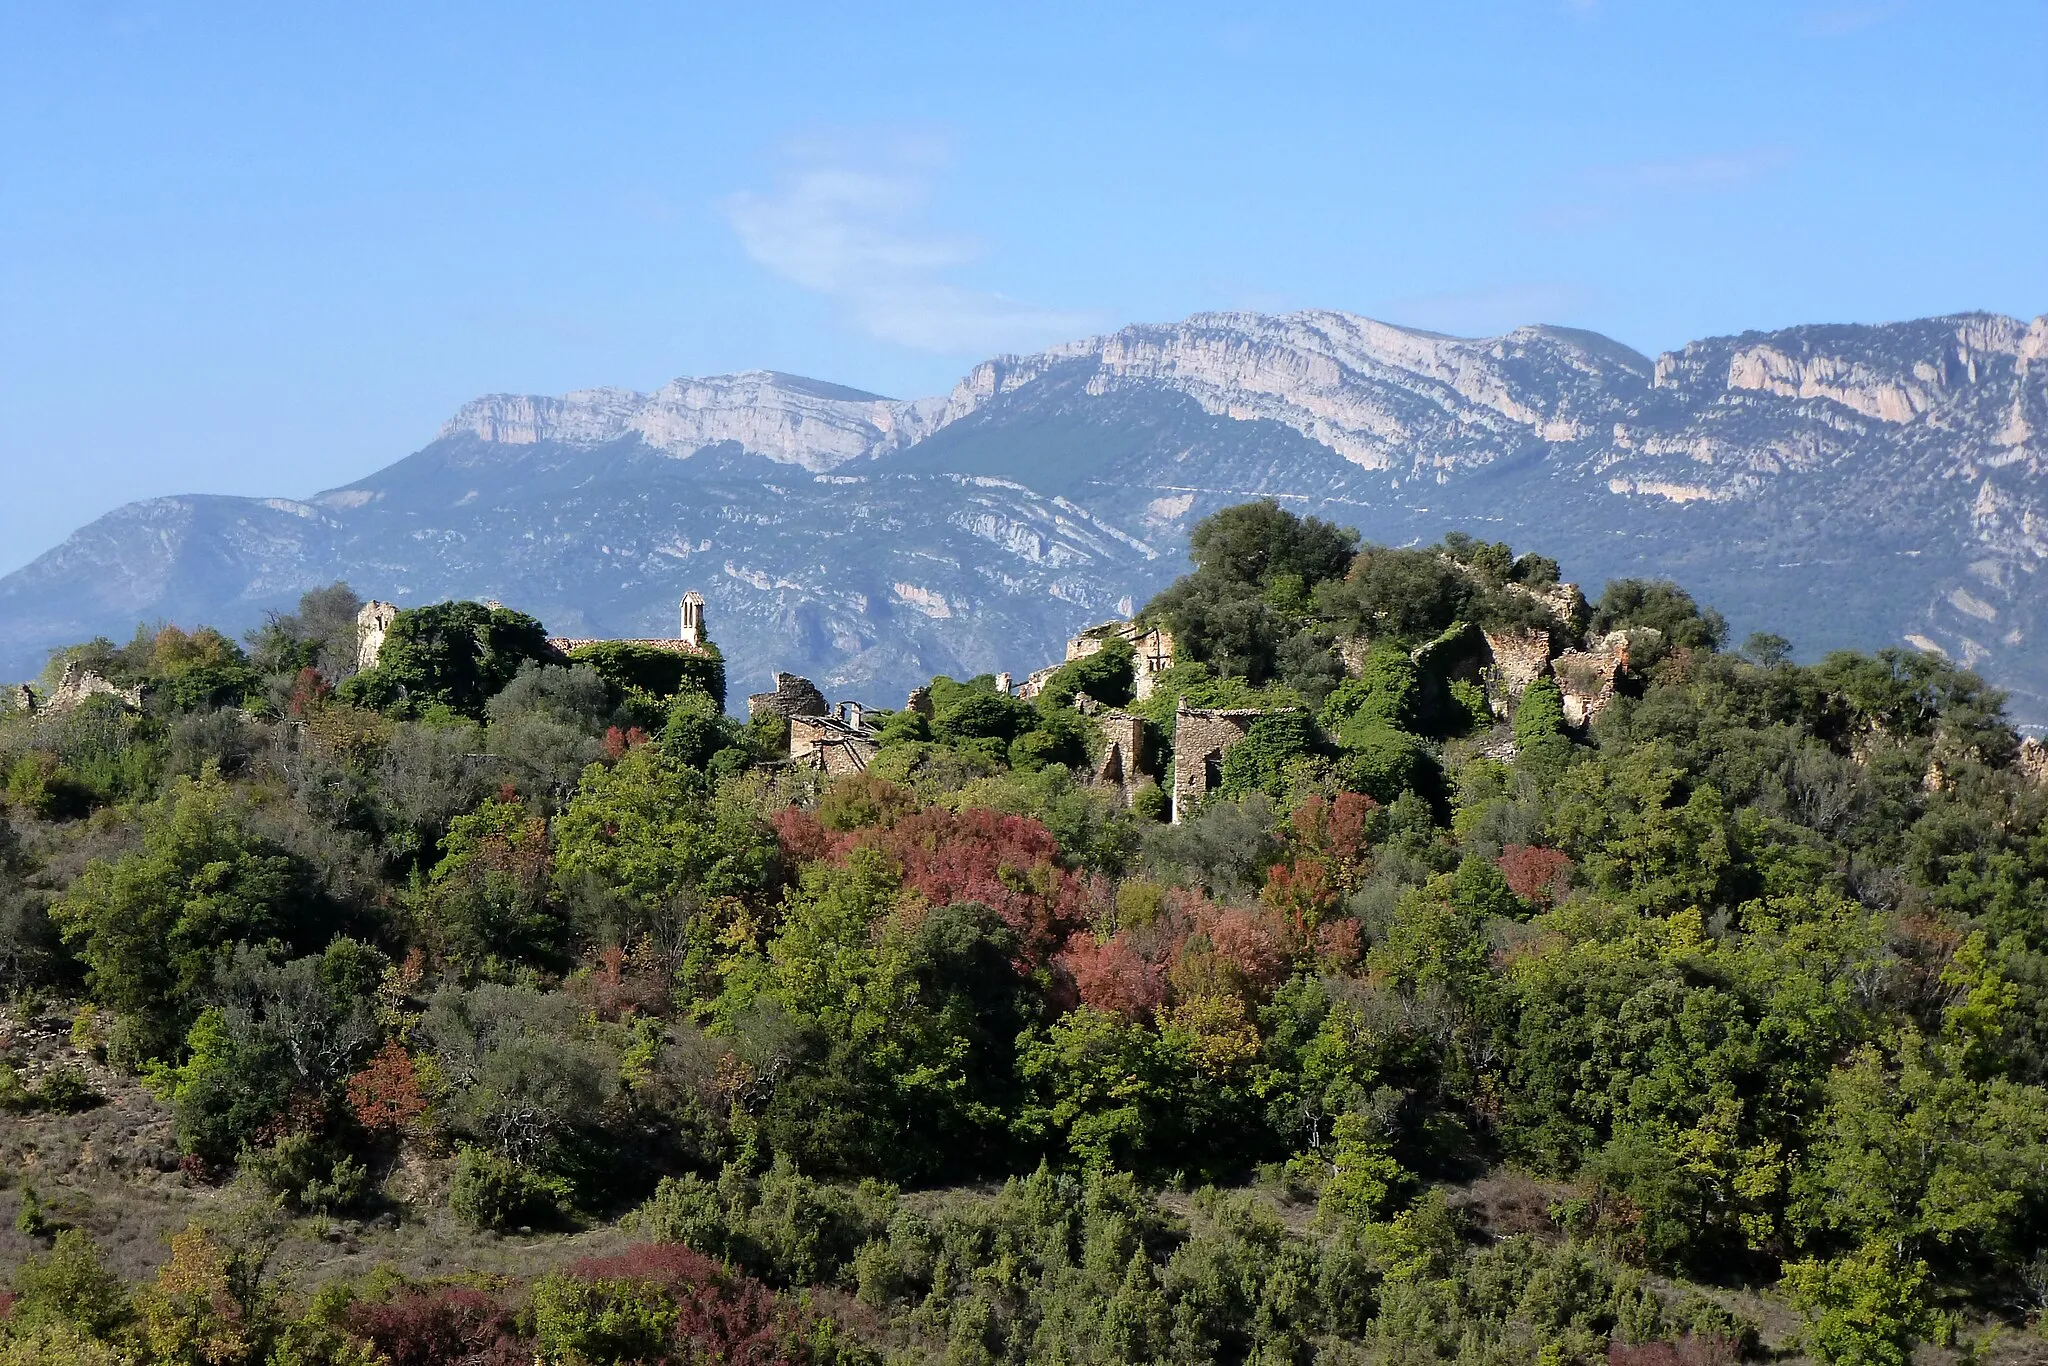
x=692, y=633
x=373, y=622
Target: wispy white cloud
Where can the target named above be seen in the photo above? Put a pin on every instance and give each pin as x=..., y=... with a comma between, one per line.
x=1606, y=195
x=1837, y=21
x=1570, y=217
x=848, y=218
x=1715, y=171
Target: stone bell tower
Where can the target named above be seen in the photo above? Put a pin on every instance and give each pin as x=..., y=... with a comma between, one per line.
x=693, y=619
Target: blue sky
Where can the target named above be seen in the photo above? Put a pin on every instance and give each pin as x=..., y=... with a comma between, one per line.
x=268, y=248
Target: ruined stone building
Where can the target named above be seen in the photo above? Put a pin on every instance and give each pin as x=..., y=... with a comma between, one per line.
x=834, y=740
x=1201, y=737
x=1152, y=644
x=688, y=640
x=1586, y=677
x=835, y=745
x=1122, y=763
x=793, y=697
x=373, y=623
x=1516, y=657
x=76, y=685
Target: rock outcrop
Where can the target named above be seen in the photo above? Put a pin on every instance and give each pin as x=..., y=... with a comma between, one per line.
x=80, y=683
x=784, y=418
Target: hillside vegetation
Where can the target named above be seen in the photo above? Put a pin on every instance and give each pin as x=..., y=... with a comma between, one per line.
x=1715, y=1030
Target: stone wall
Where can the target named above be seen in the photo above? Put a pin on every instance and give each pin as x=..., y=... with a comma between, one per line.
x=2032, y=761
x=1585, y=678
x=373, y=623
x=1520, y=657
x=1153, y=646
x=1201, y=737
x=80, y=683
x=830, y=745
x=793, y=696
x=1122, y=764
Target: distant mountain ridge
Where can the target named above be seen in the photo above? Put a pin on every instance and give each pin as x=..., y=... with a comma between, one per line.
x=1845, y=485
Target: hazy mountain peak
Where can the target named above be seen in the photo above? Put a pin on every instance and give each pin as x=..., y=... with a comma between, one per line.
x=785, y=418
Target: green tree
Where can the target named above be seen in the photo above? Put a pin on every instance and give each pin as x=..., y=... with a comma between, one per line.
x=69, y=1286
x=1662, y=606
x=1866, y=1309
x=1109, y=676
x=1262, y=760
x=1258, y=542
x=152, y=925
x=1382, y=762
x=1914, y=1152
x=1387, y=692
x=491, y=895
x=1642, y=832
x=647, y=829
x=450, y=654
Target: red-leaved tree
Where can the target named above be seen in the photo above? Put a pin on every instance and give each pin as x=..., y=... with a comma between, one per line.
x=722, y=1316
x=1008, y=863
x=1112, y=975
x=436, y=1327
x=385, y=1096
x=1332, y=830
x=803, y=838
x=1537, y=875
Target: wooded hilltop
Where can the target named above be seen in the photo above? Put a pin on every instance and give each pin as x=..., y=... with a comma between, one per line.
x=492, y=1006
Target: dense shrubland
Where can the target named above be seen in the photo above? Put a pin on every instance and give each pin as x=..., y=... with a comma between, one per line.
x=1744, y=988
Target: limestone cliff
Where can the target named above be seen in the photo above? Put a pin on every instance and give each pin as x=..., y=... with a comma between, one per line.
x=784, y=418
x=1844, y=485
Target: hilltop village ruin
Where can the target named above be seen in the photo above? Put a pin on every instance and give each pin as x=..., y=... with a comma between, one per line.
x=843, y=738
x=837, y=739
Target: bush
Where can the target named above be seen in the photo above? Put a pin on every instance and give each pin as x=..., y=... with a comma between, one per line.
x=70, y=1285
x=1382, y=762
x=1661, y=606
x=435, y=1327
x=1108, y=676
x=492, y=1192
x=592, y=1320
x=1388, y=692
x=982, y=716
x=306, y=1175
x=1260, y=762
x=1540, y=740
x=66, y=1091
x=662, y=673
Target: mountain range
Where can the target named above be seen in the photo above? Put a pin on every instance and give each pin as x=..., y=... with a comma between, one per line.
x=1845, y=486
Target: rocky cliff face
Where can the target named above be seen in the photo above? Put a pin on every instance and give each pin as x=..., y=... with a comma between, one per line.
x=1385, y=398
x=1847, y=486
x=784, y=418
